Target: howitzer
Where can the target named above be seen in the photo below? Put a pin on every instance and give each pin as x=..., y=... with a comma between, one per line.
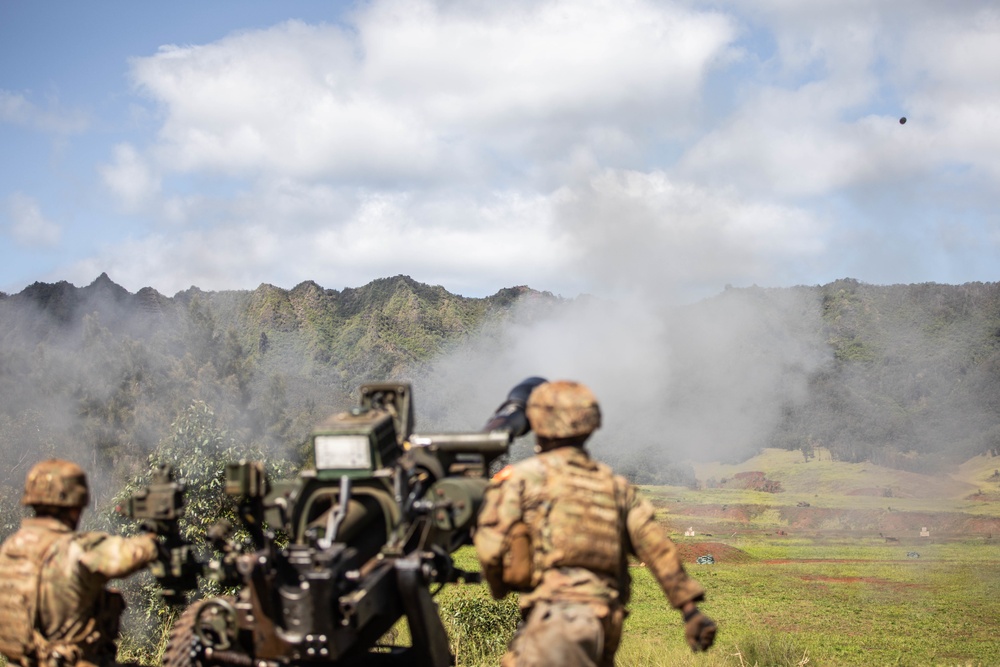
x=342, y=552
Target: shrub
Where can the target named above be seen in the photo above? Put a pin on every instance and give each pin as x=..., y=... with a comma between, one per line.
x=478, y=625
x=765, y=648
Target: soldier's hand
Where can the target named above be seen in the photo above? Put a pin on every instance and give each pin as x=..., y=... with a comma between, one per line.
x=699, y=630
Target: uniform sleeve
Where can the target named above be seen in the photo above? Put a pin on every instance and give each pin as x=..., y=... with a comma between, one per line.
x=113, y=556
x=650, y=543
x=501, y=509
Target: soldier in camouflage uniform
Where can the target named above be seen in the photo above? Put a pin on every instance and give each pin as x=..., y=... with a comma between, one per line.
x=54, y=608
x=558, y=528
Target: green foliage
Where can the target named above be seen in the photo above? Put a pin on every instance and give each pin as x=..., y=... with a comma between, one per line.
x=914, y=381
x=198, y=449
x=478, y=626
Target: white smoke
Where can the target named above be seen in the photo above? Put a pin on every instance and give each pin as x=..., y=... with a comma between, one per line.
x=704, y=381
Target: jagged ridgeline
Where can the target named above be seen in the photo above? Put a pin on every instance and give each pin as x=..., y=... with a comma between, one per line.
x=905, y=375
x=101, y=374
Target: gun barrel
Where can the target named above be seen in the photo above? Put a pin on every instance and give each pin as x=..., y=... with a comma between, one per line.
x=490, y=443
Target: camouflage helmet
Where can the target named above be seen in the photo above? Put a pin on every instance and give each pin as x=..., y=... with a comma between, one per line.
x=57, y=483
x=563, y=409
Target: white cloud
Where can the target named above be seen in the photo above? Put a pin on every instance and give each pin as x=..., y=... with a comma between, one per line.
x=952, y=66
x=281, y=101
x=822, y=115
x=374, y=235
x=570, y=146
x=18, y=109
x=130, y=178
x=425, y=92
x=27, y=224
x=622, y=230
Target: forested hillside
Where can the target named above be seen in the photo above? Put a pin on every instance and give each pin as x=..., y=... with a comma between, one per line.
x=905, y=375
x=107, y=377
x=911, y=377
x=916, y=375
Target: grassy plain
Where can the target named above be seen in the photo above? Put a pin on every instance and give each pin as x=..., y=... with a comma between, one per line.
x=831, y=571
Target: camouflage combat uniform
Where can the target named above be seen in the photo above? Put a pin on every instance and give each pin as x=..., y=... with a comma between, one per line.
x=54, y=608
x=559, y=528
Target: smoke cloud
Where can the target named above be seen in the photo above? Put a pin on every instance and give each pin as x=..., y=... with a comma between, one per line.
x=706, y=381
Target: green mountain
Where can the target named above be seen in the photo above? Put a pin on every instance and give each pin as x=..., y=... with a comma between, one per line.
x=916, y=375
x=906, y=376
x=103, y=375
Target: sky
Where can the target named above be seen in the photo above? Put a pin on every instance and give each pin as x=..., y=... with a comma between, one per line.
x=586, y=146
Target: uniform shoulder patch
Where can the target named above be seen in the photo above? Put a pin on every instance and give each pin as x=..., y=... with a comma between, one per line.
x=503, y=474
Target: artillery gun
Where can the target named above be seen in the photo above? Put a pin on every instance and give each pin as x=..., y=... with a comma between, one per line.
x=340, y=553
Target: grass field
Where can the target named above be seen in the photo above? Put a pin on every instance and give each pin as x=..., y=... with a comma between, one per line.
x=831, y=571
x=835, y=602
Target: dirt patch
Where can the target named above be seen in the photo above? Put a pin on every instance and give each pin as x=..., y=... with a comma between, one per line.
x=870, y=491
x=887, y=522
x=984, y=497
x=690, y=552
x=873, y=581
x=753, y=480
x=737, y=513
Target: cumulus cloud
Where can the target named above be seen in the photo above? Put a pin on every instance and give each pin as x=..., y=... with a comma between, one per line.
x=574, y=146
x=826, y=120
x=366, y=235
x=431, y=92
x=27, y=225
x=130, y=178
x=956, y=56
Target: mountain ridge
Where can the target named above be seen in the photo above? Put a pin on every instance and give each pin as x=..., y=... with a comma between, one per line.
x=904, y=375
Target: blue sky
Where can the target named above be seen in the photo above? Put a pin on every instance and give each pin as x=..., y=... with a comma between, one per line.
x=586, y=146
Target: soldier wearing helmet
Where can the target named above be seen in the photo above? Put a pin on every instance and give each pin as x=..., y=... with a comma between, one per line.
x=558, y=528
x=55, y=610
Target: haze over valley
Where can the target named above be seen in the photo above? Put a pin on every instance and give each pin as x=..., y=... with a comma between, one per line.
x=906, y=376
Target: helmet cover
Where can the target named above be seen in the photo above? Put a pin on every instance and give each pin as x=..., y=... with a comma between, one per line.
x=563, y=409
x=57, y=483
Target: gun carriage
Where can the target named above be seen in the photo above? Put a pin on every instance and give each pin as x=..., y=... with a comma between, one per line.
x=366, y=538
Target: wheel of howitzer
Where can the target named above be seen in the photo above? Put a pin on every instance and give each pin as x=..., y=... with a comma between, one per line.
x=183, y=645
x=198, y=624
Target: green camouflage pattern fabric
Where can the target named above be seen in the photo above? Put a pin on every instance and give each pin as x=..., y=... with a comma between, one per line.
x=530, y=492
x=75, y=617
